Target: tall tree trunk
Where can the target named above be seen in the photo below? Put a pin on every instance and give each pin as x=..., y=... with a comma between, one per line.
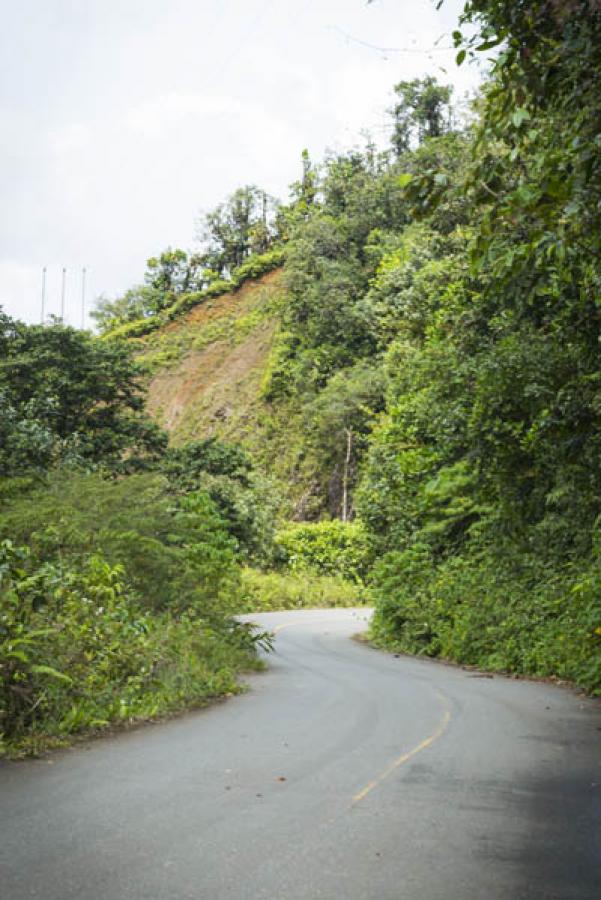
x=347, y=462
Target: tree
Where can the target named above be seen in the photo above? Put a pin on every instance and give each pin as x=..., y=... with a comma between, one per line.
x=167, y=276
x=304, y=192
x=175, y=272
x=241, y=225
x=137, y=302
x=423, y=110
x=245, y=501
x=339, y=421
x=66, y=394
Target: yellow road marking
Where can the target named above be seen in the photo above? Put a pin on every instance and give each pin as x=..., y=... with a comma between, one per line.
x=406, y=756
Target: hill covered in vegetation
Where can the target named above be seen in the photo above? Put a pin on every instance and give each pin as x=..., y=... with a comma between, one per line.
x=437, y=352
x=387, y=388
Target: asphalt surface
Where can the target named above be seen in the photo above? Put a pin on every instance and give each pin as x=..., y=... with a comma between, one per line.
x=343, y=773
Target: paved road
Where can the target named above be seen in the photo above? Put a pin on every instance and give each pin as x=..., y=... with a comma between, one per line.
x=344, y=773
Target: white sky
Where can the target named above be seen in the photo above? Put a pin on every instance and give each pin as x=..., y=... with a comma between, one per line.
x=124, y=119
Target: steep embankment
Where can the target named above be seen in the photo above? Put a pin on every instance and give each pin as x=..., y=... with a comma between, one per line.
x=207, y=367
x=207, y=370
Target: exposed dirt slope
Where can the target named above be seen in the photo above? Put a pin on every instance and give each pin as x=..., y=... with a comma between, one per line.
x=207, y=373
x=208, y=367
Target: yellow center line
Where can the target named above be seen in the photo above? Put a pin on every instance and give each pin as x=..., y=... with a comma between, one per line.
x=279, y=628
x=401, y=760
x=405, y=757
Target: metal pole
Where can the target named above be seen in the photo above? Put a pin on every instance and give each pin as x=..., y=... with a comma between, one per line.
x=83, y=298
x=43, y=292
x=63, y=294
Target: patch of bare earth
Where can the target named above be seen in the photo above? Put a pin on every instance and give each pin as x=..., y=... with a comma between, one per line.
x=196, y=396
x=240, y=301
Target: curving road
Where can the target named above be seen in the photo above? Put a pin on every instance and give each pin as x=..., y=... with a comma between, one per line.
x=344, y=773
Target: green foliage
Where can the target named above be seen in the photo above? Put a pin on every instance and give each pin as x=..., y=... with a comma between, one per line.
x=121, y=606
x=328, y=265
x=504, y=611
x=244, y=224
x=338, y=422
x=77, y=652
x=66, y=396
x=266, y=591
x=180, y=303
x=258, y=264
x=326, y=548
x=422, y=111
x=245, y=500
x=328, y=331
x=481, y=488
x=175, y=554
x=324, y=280
x=304, y=192
x=171, y=275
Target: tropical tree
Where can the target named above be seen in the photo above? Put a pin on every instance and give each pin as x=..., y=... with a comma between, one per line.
x=422, y=110
x=65, y=394
x=241, y=225
x=167, y=276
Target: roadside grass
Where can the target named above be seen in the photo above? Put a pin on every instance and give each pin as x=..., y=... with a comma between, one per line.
x=175, y=665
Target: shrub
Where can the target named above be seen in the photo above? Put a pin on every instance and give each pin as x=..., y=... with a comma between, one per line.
x=499, y=610
x=265, y=591
x=244, y=500
x=78, y=651
x=175, y=553
x=259, y=264
x=326, y=548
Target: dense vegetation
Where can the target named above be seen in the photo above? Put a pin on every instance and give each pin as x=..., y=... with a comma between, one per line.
x=120, y=559
x=444, y=311
x=433, y=386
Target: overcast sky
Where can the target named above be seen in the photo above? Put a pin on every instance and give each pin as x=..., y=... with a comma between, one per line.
x=124, y=119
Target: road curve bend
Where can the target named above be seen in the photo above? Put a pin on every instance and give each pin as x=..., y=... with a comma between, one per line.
x=343, y=773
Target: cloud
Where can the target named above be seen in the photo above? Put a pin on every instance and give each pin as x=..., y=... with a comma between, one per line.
x=70, y=140
x=110, y=149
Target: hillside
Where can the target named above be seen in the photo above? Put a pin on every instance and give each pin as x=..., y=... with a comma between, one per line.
x=404, y=360
x=207, y=367
x=207, y=372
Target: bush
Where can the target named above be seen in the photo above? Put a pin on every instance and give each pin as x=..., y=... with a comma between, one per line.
x=259, y=264
x=244, y=500
x=265, y=591
x=77, y=651
x=175, y=554
x=325, y=548
x=497, y=610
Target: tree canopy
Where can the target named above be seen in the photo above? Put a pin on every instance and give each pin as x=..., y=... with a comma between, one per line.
x=67, y=396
